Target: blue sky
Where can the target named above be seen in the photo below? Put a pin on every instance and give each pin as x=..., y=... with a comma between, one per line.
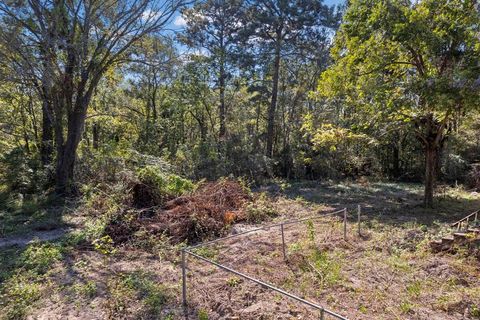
x=331, y=2
x=177, y=22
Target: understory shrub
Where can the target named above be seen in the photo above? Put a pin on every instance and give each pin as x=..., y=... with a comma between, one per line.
x=166, y=183
x=261, y=209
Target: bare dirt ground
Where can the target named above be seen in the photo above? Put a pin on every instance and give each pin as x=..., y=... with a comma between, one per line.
x=387, y=273
x=35, y=236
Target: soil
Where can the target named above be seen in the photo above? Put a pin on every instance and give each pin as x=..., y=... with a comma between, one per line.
x=382, y=274
x=35, y=236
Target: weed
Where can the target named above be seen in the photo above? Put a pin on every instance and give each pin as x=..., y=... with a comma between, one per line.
x=261, y=209
x=310, y=231
x=475, y=312
x=39, y=257
x=295, y=247
x=202, y=315
x=145, y=240
x=207, y=252
x=152, y=294
x=119, y=297
x=414, y=288
x=166, y=184
x=398, y=262
x=233, y=282
x=87, y=289
x=104, y=245
x=245, y=185
x=363, y=309
x=406, y=307
x=95, y=228
x=19, y=294
x=326, y=268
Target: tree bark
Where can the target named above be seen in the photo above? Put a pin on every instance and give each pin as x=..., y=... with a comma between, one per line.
x=396, y=161
x=95, y=135
x=66, y=154
x=431, y=153
x=432, y=138
x=273, y=102
x=222, y=111
x=46, y=148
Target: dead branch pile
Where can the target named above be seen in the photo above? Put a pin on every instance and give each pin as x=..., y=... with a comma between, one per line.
x=205, y=214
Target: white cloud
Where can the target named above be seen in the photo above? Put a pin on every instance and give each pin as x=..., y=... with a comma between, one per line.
x=180, y=21
x=150, y=14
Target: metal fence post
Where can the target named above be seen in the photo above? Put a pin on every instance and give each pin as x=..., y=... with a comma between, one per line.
x=345, y=224
x=283, y=244
x=359, y=212
x=184, y=282
x=322, y=314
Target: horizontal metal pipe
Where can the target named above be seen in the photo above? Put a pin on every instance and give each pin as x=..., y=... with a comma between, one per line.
x=266, y=285
x=265, y=228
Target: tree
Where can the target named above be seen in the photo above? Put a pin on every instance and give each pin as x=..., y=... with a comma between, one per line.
x=64, y=47
x=214, y=25
x=155, y=64
x=414, y=62
x=283, y=28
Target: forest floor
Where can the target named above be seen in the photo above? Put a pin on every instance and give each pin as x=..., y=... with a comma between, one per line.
x=388, y=272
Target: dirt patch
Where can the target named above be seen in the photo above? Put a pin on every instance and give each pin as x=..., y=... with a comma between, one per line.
x=40, y=236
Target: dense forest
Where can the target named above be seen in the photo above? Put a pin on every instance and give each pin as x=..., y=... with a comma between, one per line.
x=261, y=89
x=240, y=159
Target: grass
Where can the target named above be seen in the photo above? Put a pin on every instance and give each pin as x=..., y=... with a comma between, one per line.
x=23, y=278
x=87, y=290
x=20, y=215
x=209, y=252
x=390, y=273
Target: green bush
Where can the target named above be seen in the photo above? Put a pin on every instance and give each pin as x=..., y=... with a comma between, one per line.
x=22, y=172
x=19, y=293
x=261, y=209
x=40, y=257
x=166, y=184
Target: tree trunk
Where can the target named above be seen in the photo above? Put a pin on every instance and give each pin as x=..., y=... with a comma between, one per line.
x=396, y=159
x=95, y=135
x=431, y=153
x=46, y=147
x=67, y=153
x=273, y=102
x=222, y=111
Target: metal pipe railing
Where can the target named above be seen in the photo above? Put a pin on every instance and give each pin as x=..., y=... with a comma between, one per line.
x=268, y=227
x=266, y=285
x=188, y=251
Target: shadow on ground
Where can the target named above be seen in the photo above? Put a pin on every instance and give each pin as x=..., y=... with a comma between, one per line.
x=30, y=215
x=393, y=203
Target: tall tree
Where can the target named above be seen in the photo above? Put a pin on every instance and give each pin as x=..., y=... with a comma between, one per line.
x=410, y=61
x=155, y=64
x=65, y=47
x=279, y=28
x=214, y=25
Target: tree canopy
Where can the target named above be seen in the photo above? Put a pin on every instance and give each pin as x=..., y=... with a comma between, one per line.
x=411, y=62
x=262, y=89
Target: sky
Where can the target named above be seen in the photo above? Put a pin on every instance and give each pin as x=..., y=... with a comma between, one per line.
x=177, y=25
x=178, y=22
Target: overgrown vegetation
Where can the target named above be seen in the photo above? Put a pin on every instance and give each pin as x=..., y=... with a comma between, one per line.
x=123, y=140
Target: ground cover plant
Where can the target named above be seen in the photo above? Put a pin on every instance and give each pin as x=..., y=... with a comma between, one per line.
x=388, y=272
x=131, y=129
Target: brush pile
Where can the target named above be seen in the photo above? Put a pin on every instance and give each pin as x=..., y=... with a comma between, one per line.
x=203, y=214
